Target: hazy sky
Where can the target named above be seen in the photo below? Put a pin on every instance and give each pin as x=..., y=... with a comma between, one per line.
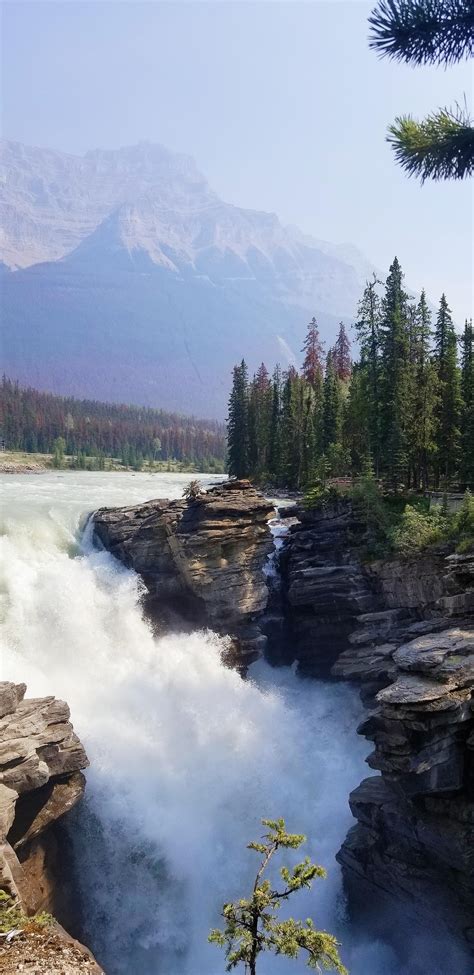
x=282, y=104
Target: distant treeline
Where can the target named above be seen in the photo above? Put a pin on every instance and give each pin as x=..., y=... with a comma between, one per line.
x=404, y=411
x=34, y=422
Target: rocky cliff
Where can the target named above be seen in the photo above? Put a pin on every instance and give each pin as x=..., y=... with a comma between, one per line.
x=414, y=837
x=403, y=630
x=200, y=559
x=41, y=759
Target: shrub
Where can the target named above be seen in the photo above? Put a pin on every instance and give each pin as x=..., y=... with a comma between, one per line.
x=321, y=496
x=13, y=918
x=192, y=490
x=417, y=530
x=464, y=525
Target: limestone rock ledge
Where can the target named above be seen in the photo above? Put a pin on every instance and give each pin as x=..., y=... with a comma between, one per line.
x=200, y=559
x=41, y=759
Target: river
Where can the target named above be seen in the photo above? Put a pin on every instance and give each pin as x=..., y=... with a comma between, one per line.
x=185, y=756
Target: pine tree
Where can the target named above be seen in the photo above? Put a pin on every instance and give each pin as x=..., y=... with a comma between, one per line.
x=368, y=328
x=357, y=420
x=467, y=389
x=238, y=424
x=313, y=349
x=342, y=355
x=443, y=327
x=423, y=395
x=293, y=403
x=252, y=925
x=259, y=422
x=449, y=413
x=275, y=446
x=331, y=405
x=394, y=405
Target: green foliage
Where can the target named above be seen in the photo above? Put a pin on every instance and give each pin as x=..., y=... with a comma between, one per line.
x=252, y=925
x=96, y=434
x=417, y=530
x=12, y=916
x=59, y=450
x=193, y=490
x=423, y=31
x=463, y=525
x=441, y=146
x=319, y=497
x=406, y=405
x=238, y=424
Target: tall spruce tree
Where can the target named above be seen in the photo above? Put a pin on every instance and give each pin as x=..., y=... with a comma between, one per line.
x=275, y=445
x=313, y=363
x=342, y=354
x=422, y=423
x=368, y=329
x=448, y=435
x=260, y=412
x=467, y=420
x=394, y=405
x=238, y=423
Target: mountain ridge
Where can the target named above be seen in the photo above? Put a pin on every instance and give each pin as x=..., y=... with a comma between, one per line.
x=137, y=235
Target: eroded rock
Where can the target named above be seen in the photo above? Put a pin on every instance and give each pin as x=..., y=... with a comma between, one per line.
x=202, y=558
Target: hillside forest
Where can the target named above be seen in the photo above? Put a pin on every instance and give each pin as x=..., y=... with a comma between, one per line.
x=91, y=433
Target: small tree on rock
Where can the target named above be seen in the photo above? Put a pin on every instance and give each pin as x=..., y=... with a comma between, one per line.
x=251, y=924
x=193, y=490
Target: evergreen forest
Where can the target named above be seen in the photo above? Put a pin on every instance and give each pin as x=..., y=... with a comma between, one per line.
x=41, y=422
x=402, y=411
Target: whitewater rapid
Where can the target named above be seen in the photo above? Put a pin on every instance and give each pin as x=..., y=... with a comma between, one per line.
x=185, y=756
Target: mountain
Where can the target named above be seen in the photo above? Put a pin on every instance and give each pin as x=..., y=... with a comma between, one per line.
x=125, y=277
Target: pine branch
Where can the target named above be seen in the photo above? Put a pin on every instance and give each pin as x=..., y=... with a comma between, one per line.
x=441, y=146
x=423, y=31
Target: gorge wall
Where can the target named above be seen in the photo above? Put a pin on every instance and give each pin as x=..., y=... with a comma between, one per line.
x=404, y=631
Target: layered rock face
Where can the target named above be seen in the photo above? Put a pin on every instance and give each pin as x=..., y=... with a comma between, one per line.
x=325, y=586
x=403, y=630
x=201, y=559
x=41, y=759
x=414, y=838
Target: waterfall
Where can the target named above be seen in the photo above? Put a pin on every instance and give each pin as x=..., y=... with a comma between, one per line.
x=186, y=757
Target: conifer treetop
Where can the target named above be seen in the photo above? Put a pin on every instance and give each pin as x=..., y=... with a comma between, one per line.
x=423, y=31
x=251, y=924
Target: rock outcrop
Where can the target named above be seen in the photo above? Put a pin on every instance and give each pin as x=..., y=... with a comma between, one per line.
x=201, y=559
x=403, y=630
x=414, y=837
x=41, y=759
x=41, y=762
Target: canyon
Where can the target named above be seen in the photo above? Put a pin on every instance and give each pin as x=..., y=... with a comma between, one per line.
x=401, y=631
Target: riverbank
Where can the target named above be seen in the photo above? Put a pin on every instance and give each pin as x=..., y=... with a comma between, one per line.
x=20, y=462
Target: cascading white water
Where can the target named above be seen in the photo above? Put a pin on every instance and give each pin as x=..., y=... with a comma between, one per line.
x=185, y=756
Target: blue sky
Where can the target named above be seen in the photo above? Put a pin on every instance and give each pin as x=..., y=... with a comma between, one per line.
x=282, y=105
